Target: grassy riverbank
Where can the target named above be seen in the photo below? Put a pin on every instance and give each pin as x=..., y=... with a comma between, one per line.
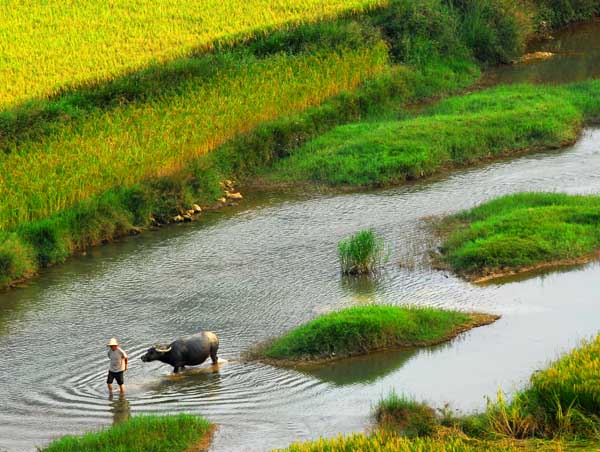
x=363, y=329
x=175, y=433
x=561, y=402
x=94, y=151
x=381, y=441
x=558, y=411
x=458, y=131
x=522, y=232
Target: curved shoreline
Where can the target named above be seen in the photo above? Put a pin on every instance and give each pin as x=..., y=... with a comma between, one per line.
x=533, y=269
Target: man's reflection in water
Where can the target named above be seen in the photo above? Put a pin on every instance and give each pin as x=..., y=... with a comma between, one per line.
x=119, y=407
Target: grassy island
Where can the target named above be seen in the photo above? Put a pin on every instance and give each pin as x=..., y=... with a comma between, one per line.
x=455, y=132
x=363, y=329
x=142, y=433
x=522, y=232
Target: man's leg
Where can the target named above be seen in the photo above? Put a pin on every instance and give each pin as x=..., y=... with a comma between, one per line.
x=120, y=382
x=109, y=381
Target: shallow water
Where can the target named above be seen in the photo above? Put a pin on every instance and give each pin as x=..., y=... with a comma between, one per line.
x=257, y=270
x=576, y=57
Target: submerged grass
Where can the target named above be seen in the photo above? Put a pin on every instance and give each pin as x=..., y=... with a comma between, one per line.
x=455, y=132
x=140, y=434
x=363, y=329
x=521, y=232
x=361, y=253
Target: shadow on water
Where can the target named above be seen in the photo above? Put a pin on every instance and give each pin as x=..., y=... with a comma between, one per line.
x=361, y=369
x=367, y=369
x=542, y=274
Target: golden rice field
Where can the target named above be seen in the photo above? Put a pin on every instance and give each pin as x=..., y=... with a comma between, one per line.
x=158, y=136
x=48, y=45
x=382, y=441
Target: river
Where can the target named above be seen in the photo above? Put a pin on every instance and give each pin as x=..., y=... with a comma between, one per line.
x=254, y=271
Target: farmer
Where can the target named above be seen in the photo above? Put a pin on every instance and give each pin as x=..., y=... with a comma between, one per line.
x=118, y=365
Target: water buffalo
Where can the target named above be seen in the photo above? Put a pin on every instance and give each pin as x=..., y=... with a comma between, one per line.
x=185, y=351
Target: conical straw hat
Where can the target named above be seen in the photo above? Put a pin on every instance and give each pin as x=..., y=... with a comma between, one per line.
x=113, y=341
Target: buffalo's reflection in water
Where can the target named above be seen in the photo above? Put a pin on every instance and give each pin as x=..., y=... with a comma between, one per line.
x=192, y=380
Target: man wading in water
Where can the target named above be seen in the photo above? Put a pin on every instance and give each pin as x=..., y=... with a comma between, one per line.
x=118, y=365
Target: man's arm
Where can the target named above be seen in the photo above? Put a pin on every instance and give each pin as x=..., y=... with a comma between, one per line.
x=126, y=358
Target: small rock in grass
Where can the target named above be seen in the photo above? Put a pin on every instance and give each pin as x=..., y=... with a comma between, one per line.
x=197, y=208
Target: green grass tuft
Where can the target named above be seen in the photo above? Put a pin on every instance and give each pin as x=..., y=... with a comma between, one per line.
x=140, y=434
x=361, y=253
x=362, y=329
x=406, y=416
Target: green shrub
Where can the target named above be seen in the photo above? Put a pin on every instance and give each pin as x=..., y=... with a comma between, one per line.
x=420, y=31
x=16, y=258
x=492, y=29
x=49, y=240
x=406, y=416
x=558, y=13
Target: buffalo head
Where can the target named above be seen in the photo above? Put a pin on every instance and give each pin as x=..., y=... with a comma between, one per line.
x=156, y=353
